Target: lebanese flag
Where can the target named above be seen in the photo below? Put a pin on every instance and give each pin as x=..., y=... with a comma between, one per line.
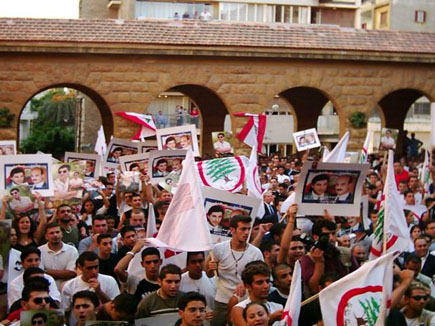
x=365, y=149
x=391, y=222
x=362, y=297
x=290, y=316
x=148, y=128
x=185, y=224
x=101, y=145
x=338, y=154
x=227, y=173
x=253, y=132
x=253, y=181
x=425, y=172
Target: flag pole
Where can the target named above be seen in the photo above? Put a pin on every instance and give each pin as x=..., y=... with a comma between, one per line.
x=215, y=271
x=384, y=236
x=310, y=299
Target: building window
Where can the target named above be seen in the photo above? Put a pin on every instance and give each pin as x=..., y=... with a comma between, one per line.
x=384, y=19
x=420, y=16
x=422, y=108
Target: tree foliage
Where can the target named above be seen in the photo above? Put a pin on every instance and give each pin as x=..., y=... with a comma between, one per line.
x=53, y=130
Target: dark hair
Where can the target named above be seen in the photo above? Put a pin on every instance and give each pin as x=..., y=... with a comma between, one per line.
x=221, y=134
x=127, y=228
x=169, y=269
x=103, y=236
x=278, y=267
x=64, y=166
x=150, y=251
x=161, y=161
x=194, y=253
x=328, y=277
x=320, y=224
x=268, y=245
x=14, y=189
x=50, y=226
x=236, y=219
x=28, y=273
x=91, y=296
x=40, y=315
x=277, y=229
x=189, y=297
x=16, y=222
x=412, y=258
x=15, y=171
x=133, y=165
x=426, y=224
x=87, y=201
x=254, y=269
x=126, y=303
x=171, y=138
x=63, y=205
x=98, y=218
x=414, y=286
x=86, y=256
x=251, y=304
x=33, y=287
x=28, y=251
x=215, y=209
x=117, y=149
x=319, y=177
x=407, y=192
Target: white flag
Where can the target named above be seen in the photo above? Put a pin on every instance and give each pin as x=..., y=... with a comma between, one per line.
x=185, y=224
x=151, y=222
x=338, y=154
x=253, y=132
x=253, y=182
x=425, y=172
x=391, y=222
x=360, y=298
x=290, y=316
x=100, y=144
x=325, y=153
x=432, y=128
x=365, y=149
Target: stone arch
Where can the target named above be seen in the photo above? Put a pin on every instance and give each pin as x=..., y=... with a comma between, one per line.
x=212, y=111
x=395, y=105
x=307, y=103
x=100, y=102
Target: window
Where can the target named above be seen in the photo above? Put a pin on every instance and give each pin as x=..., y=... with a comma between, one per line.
x=383, y=19
x=422, y=108
x=420, y=16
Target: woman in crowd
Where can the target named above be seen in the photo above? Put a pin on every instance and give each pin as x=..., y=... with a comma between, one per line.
x=256, y=314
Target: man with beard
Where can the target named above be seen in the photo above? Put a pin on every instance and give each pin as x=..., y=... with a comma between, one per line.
x=282, y=278
x=70, y=232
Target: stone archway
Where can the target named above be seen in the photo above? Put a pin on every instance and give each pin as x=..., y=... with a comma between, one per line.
x=212, y=110
x=395, y=106
x=100, y=103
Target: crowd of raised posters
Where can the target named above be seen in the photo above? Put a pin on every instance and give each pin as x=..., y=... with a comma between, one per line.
x=77, y=247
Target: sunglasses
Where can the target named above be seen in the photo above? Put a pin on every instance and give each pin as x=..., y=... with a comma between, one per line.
x=419, y=297
x=40, y=300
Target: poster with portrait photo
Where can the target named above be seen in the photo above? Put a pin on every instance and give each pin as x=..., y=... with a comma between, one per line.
x=176, y=138
x=8, y=147
x=28, y=170
x=221, y=205
x=222, y=142
x=93, y=163
x=68, y=179
x=21, y=200
x=118, y=147
x=388, y=139
x=162, y=163
x=306, y=139
x=42, y=318
x=332, y=186
x=136, y=162
x=147, y=146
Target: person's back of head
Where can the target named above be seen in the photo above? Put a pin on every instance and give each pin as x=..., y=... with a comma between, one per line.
x=125, y=305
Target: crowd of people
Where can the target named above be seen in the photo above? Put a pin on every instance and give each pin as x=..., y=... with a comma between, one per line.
x=107, y=270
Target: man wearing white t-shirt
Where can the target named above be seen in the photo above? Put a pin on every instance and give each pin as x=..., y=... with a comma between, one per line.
x=103, y=285
x=256, y=278
x=229, y=259
x=195, y=279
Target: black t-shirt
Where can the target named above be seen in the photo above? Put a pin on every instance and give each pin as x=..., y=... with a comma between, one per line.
x=310, y=313
x=274, y=296
x=123, y=251
x=145, y=288
x=107, y=266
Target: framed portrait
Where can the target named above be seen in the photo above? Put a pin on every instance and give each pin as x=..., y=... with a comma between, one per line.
x=8, y=147
x=106, y=323
x=388, y=139
x=129, y=181
x=333, y=186
x=176, y=138
x=21, y=200
x=164, y=162
x=31, y=170
x=220, y=206
x=93, y=163
x=306, y=139
x=222, y=142
x=42, y=318
x=159, y=320
x=117, y=148
x=136, y=162
x=147, y=146
x=68, y=179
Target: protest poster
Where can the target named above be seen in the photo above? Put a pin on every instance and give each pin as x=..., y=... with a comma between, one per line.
x=306, y=139
x=222, y=142
x=118, y=147
x=8, y=147
x=164, y=162
x=160, y=320
x=136, y=162
x=93, y=163
x=176, y=138
x=68, y=180
x=388, y=139
x=42, y=318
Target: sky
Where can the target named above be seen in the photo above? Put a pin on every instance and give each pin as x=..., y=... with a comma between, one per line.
x=39, y=8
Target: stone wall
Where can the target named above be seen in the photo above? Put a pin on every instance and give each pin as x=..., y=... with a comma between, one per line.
x=132, y=82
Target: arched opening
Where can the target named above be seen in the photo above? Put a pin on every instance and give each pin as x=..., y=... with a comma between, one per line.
x=407, y=109
x=63, y=117
x=212, y=111
x=314, y=109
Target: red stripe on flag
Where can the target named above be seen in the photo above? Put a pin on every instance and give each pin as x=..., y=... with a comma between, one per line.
x=135, y=119
x=390, y=243
x=245, y=131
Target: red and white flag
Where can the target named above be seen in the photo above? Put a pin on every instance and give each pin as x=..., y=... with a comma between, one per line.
x=100, y=144
x=253, y=132
x=338, y=154
x=391, y=225
x=253, y=181
x=185, y=224
x=290, y=316
x=151, y=222
x=148, y=127
x=365, y=149
x=362, y=297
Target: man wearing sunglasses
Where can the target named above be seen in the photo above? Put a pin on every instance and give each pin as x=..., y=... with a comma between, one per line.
x=415, y=300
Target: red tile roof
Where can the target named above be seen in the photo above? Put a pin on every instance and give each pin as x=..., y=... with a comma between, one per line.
x=214, y=33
